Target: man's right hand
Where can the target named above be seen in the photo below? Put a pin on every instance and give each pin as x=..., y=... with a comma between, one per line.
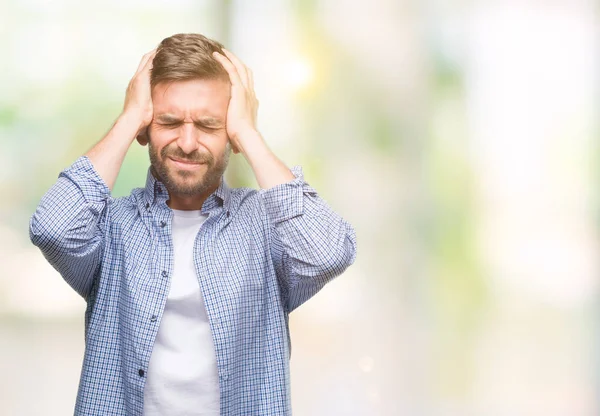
x=138, y=98
x=108, y=154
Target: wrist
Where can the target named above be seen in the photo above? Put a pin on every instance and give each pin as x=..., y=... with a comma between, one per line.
x=250, y=141
x=128, y=124
x=132, y=120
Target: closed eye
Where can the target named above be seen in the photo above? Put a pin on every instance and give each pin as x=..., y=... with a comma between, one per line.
x=206, y=128
x=170, y=125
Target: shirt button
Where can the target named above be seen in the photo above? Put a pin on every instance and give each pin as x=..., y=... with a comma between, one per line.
x=159, y=191
x=141, y=372
x=162, y=223
x=164, y=273
x=153, y=318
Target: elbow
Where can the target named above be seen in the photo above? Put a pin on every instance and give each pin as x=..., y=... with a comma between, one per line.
x=76, y=259
x=42, y=231
x=337, y=257
x=341, y=258
x=56, y=234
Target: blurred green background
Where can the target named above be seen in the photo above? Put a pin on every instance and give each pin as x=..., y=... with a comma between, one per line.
x=459, y=138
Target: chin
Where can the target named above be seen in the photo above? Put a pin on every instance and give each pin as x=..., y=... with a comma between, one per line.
x=190, y=185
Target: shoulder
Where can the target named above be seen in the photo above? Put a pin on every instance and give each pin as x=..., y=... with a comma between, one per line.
x=244, y=199
x=127, y=206
x=248, y=203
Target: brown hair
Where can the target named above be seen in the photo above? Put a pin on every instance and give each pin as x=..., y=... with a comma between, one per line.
x=186, y=56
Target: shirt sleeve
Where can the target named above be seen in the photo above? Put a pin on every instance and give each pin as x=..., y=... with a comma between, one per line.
x=311, y=244
x=69, y=224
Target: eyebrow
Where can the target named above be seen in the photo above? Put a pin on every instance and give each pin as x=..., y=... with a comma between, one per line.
x=206, y=121
x=167, y=118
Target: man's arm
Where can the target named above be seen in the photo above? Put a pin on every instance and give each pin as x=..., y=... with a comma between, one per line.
x=108, y=154
x=69, y=223
x=311, y=244
x=241, y=125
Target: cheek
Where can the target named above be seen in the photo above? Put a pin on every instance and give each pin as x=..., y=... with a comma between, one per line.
x=156, y=149
x=159, y=139
x=215, y=142
x=161, y=134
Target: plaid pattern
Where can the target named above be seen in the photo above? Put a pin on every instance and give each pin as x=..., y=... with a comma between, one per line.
x=259, y=255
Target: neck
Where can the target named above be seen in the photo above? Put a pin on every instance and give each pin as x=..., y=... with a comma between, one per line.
x=189, y=202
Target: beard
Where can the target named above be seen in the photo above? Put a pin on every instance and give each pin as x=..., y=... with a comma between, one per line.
x=183, y=182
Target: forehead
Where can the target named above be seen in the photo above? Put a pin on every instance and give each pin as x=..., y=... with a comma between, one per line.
x=192, y=98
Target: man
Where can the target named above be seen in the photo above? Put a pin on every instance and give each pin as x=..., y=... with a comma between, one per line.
x=188, y=282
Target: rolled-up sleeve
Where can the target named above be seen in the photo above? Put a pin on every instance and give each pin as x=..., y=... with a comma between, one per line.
x=69, y=224
x=311, y=244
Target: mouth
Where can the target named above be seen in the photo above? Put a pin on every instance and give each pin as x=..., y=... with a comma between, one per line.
x=185, y=164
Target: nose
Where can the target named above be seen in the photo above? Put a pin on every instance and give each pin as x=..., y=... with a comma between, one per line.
x=188, y=138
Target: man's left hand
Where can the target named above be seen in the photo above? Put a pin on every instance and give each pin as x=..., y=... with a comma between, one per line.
x=243, y=105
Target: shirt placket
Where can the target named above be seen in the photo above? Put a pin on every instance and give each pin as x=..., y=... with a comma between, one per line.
x=159, y=221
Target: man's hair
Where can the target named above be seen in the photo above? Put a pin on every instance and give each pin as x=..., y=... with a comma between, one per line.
x=186, y=56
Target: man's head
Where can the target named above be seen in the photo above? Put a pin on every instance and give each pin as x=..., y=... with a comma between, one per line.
x=188, y=144
x=186, y=56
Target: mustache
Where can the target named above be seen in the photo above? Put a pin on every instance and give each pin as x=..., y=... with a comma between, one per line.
x=194, y=157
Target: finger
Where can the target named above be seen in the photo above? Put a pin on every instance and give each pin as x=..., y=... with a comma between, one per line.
x=145, y=59
x=234, y=76
x=142, y=63
x=239, y=65
x=250, y=79
x=145, y=73
x=149, y=63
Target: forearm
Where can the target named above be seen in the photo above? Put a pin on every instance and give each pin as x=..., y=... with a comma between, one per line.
x=108, y=154
x=268, y=169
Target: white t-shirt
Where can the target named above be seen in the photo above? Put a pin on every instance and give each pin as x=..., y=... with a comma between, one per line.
x=182, y=375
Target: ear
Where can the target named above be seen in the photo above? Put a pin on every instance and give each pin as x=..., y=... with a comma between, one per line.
x=143, y=138
x=233, y=147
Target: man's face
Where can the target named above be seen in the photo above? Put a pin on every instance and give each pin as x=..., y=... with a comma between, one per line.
x=189, y=148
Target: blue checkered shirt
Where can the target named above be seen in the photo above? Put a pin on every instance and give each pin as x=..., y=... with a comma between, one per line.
x=259, y=255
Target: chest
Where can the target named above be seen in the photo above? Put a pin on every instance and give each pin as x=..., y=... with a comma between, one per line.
x=231, y=261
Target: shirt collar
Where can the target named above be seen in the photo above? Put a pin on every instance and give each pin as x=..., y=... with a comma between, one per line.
x=156, y=192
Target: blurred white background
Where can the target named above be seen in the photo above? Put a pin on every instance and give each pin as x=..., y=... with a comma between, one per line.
x=459, y=138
